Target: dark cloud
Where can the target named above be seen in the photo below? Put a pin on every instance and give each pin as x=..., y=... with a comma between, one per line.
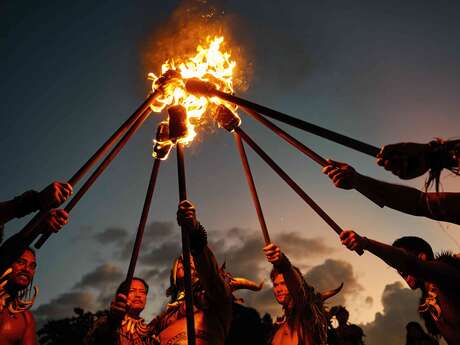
x=330, y=274
x=93, y=292
x=63, y=305
x=240, y=248
x=399, y=307
x=107, y=273
x=112, y=235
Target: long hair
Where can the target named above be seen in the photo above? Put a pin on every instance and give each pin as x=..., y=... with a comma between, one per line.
x=309, y=318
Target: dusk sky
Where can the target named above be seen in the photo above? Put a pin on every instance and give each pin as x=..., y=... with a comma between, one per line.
x=73, y=71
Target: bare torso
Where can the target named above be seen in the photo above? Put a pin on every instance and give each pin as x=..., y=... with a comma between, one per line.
x=18, y=328
x=284, y=336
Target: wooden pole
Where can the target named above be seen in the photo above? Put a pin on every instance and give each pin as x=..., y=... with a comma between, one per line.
x=252, y=187
x=197, y=86
x=191, y=337
x=290, y=182
x=100, y=169
x=142, y=222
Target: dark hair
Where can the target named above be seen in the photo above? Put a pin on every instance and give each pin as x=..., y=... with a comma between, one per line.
x=414, y=245
x=124, y=288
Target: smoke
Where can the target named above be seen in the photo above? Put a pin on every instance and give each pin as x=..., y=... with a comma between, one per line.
x=188, y=26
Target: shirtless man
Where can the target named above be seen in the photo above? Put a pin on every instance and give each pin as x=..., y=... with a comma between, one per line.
x=17, y=324
x=438, y=278
x=304, y=321
x=212, y=296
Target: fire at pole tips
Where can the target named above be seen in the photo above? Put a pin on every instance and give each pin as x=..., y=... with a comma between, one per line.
x=211, y=66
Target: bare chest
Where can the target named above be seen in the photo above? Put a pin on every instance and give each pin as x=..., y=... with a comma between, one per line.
x=284, y=336
x=12, y=327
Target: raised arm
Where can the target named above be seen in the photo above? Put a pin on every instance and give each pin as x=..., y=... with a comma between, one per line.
x=436, y=272
x=438, y=206
x=292, y=277
x=205, y=262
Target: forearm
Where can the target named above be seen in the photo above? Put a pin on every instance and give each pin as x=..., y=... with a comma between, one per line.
x=19, y=206
x=397, y=258
x=210, y=278
x=401, y=198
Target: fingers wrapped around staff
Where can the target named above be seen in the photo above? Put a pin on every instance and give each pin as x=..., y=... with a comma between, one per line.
x=342, y=175
x=353, y=241
x=54, y=195
x=119, y=305
x=273, y=253
x=186, y=214
x=55, y=220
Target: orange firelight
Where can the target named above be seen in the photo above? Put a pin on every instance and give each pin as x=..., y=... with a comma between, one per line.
x=209, y=64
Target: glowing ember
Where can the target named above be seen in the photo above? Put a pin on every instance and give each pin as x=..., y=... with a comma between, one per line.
x=209, y=64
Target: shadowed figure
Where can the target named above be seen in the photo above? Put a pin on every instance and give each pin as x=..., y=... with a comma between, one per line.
x=438, y=278
x=417, y=336
x=345, y=333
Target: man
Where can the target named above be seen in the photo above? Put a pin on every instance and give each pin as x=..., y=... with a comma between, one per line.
x=304, y=321
x=416, y=335
x=123, y=324
x=438, y=206
x=212, y=295
x=17, y=325
x=345, y=333
x=438, y=278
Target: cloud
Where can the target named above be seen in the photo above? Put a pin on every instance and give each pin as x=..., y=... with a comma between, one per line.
x=330, y=274
x=112, y=235
x=240, y=248
x=63, y=305
x=399, y=307
x=101, y=276
x=93, y=292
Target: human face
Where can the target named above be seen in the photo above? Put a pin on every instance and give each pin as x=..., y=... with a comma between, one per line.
x=280, y=289
x=137, y=296
x=23, y=269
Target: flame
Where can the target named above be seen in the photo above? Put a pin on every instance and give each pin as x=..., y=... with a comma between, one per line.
x=209, y=64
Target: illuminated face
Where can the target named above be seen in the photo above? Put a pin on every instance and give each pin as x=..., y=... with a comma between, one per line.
x=137, y=296
x=280, y=289
x=23, y=269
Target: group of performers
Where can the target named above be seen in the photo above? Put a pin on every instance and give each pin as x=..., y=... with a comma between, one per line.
x=305, y=319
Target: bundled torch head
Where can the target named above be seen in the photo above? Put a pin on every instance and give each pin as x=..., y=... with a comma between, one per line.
x=162, y=145
x=177, y=122
x=226, y=118
x=200, y=87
